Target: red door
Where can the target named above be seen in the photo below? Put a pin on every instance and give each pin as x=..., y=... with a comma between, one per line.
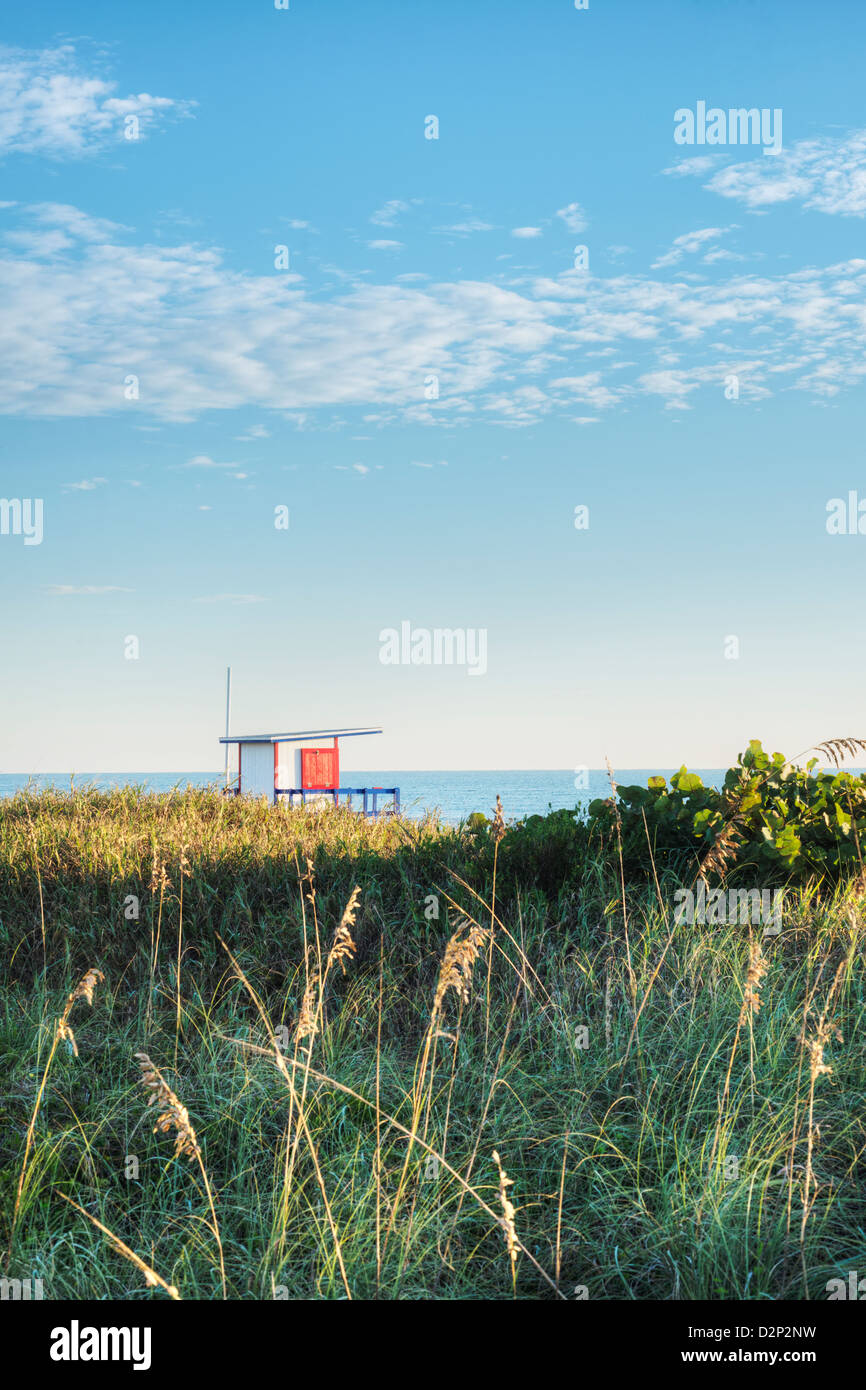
x=320, y=769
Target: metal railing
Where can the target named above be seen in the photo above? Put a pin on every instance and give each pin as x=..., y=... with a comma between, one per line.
x=370, y=798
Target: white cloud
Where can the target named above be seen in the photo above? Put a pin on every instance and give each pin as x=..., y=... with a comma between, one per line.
x=824, y=174
x=574, y=217
x=388, y=215
x=758, y=187
x=467, y=227
x=202, y=337
x=385, y=245
x=87, y=484
x=696, y=164
x=687, y=245
x=75, y=223
x=673, y=386
x=205, y=461
x=587, y=388
x=65, y=590
x=50, y=106
x=254, y=432
x=526, y=233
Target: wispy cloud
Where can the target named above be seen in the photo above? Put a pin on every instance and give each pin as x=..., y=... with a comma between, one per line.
x=574, y=217
x=50, y=105
x=467, y=226
x=389, y=214
x=254, y=432
x=205, y=461
x=201, y=336
x=825, y=175
x=694, y=164
x=526, y=233
x=587, y=388
x=86, y=485
x=66, y=590
x=687, y=245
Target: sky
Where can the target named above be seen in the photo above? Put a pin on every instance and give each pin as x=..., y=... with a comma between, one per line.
x=326, y=324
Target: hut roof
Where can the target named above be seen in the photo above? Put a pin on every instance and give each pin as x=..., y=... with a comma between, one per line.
x=301, y=737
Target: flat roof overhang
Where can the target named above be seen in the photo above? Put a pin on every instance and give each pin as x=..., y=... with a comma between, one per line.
x=301, y=737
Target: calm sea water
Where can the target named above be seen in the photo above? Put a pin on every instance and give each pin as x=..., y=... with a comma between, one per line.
x=454, y=794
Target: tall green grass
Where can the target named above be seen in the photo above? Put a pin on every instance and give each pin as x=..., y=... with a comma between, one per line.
x=664, y=1138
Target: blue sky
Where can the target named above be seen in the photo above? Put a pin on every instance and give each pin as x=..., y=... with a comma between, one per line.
x=307, y=387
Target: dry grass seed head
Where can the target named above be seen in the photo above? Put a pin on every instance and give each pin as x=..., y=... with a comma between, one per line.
x=837, y=749
x=310, y=875
x=344, y=948
x=159, y=881
x=508, y=1212
x=460, y=956
x=172, y=1115
x=824, y=1032
x=86, y=985
x=757, y=970
x=83, y=990
x=722, y=852
x=498, y=822
x=308, y=1025
x=815, y=1047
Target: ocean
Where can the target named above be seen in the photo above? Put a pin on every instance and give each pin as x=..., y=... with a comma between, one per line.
x=454, y=794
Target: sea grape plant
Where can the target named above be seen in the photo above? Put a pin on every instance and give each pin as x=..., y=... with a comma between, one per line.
x=789, y=822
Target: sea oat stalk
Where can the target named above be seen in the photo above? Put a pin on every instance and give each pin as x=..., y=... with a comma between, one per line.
x=508, y=1214
x=172, y=1115
x=151, y=1278
x=62, y=1031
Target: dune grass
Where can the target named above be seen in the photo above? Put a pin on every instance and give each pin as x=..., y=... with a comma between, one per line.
x=440, y=1086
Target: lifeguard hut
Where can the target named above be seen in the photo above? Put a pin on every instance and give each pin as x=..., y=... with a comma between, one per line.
x=303, y=769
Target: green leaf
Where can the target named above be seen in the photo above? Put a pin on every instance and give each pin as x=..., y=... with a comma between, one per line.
x=685, y=781
x=787, y=845
x=843, y=820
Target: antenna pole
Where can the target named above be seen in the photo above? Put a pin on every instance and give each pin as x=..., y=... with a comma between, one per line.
x=228, y=715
